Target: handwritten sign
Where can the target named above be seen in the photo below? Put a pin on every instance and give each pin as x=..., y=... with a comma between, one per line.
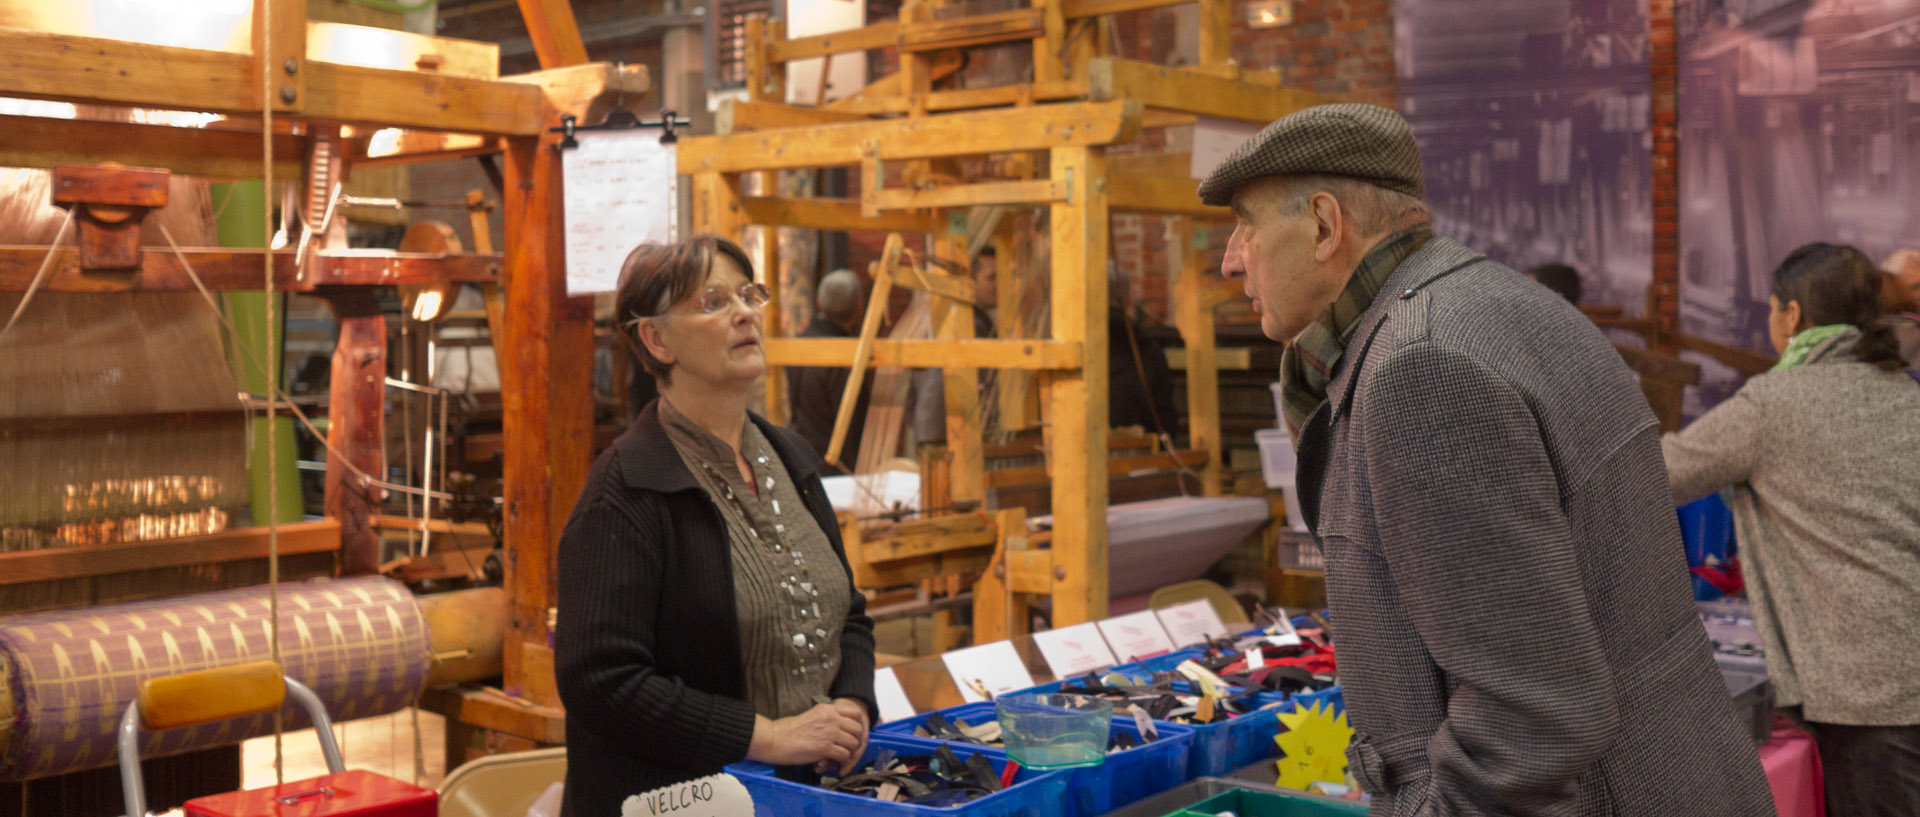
x=621, y=190
x=890, y=696
x=716, y=795
x=1073, y=650
x=1192, y=622
x=1136, y=635
x=994, y=667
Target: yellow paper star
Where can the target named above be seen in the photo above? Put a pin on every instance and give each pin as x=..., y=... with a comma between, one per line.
x=1314, y=747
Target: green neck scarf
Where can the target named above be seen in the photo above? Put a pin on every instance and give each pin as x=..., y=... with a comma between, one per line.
x=1801, y=344
x=1307, y=365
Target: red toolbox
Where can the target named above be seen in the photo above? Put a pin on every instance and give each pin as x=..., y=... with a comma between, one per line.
x=355, y=793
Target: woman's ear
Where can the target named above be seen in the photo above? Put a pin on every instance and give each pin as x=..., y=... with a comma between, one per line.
x=1795, y=318
x=654, y=338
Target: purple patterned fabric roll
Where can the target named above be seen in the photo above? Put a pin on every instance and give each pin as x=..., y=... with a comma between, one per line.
x=361, y=644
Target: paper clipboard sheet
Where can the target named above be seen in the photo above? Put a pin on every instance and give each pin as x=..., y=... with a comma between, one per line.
x=621, y=189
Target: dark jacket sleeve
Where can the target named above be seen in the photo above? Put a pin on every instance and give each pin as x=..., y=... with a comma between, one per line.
x=1473, y=533
x=611, y=563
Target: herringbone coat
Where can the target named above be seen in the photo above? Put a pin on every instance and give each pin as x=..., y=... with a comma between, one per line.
x=1504, y=565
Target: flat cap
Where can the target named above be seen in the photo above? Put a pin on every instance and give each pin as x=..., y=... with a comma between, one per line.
x=1365, y=142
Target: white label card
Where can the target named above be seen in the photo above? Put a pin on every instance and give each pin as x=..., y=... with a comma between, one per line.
x=1074, y=650
x=1135, y=636
x=716, y=795
x=995, y=667
x=620, y=191
x=890, y=696
x=1190, y=623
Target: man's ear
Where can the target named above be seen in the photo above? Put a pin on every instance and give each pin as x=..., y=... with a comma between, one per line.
x=1795, y=318
x=1329, y=226
x=651, y=336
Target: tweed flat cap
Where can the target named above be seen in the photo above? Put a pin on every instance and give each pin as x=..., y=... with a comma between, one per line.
x=1365, y=142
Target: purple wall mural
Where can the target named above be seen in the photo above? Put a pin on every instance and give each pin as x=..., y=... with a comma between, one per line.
x=1800, y=121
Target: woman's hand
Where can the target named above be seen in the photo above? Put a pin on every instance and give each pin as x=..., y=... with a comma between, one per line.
x=856, y=710
x=823, y=733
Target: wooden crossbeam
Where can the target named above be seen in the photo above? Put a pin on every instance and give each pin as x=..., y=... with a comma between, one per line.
x=1039, y=191
x=231, y=545
x=1036, y=128
x=944, y=284
x=742, y=115
x=927, y=354
x=831, y=214
x=933, y=566
x=1116, y=466
x=1189, y=91
x=104, y=71
x=39, y=141
x=415, y=147
x=979, y=29
x=1029, y=571
x=225, y=270
x=1166, y=195
x=1163, y=165
x=1237, y=359
x=878, y=35
x=1075, y=9
x=966, y=98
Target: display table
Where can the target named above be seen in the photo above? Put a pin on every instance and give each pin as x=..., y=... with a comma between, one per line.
x=1793, y=772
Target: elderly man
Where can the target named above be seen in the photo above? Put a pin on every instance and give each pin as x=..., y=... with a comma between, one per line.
x=813, y=392
x=1516, y=632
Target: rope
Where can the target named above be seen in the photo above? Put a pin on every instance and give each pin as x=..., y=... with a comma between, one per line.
x=39, y=277
x=273, y=354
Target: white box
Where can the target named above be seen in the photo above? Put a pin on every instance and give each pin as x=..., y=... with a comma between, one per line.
x=1278, y=465
x=1279, y=410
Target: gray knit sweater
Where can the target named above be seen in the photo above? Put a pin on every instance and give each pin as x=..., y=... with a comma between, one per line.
x=1824, y=459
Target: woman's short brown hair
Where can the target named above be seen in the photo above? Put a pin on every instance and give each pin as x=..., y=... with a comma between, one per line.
x=656, y=276
x=1837, y=284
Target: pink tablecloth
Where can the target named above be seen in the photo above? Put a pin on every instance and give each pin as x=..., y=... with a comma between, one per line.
x=1793, y=772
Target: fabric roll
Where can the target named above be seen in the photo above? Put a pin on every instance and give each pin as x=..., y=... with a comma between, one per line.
x=360, y=644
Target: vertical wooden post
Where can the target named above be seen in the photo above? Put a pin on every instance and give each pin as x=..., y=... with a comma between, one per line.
x=545, y=373
x=1047, y=63
x=554, y=31
x=1193, y=315
x=954, y=321
x=1663, y=293
x=1216, y=32
x=755, y=34
x=998, y=612
x=355, y=411
x=1077, y=410
x=1012, y=385
x=286, y=55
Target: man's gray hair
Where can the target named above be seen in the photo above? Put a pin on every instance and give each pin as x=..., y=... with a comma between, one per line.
x=839, y=296
x=1374, y=210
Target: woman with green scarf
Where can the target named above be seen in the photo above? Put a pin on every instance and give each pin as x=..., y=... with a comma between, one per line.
x=1823, y=457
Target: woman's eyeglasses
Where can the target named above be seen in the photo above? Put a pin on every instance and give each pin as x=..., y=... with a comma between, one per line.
x=750, y=295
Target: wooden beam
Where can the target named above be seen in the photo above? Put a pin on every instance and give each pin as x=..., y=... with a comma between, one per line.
x=742, y=115
x=896, y=548
x=927, y=353
x=416, y=147
x=958, y=288
x=402, y=50
x=1193, y=316
x=1038, y=191
x=830, y=214
x=998, y=613
x=888, y=99
x=1216, y=32
x=39, y=141
x=1238, y=358
x=1746, y=361
x=285, y=52
x=554, y=32
x=878, y=35
x=934, y=566
x=1116, y=467
x=103, y=71
x=863, y=347
x=227, y=270
x=1164, y=195
x=1179, y=89
x=356, y=411
x=1078, y=397
x=1075, y=9
x=19, y=567
x=587, y=91
x=1163, y=165
x=963, y=32
x=547, y=352
x=1030, y=571
x=1037, y=128
x=489, y=708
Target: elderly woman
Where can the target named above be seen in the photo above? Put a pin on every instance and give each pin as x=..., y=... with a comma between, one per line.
x=706, y=611
x=1824, y=455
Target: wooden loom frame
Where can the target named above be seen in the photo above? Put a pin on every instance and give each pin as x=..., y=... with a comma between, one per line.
x=1059, y=127
x=547, y=335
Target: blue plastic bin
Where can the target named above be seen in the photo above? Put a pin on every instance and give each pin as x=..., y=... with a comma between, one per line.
x=1706, y=527
x=1033, y=794
x=1219, y=748
x=1124, y=777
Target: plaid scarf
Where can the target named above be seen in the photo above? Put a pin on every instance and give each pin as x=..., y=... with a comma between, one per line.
x=1307, y=365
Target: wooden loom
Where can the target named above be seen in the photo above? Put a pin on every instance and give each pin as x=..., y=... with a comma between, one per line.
x=326, y=111
x=1051, y=136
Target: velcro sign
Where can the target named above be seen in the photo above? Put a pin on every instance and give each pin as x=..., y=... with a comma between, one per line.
x=716, y=795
